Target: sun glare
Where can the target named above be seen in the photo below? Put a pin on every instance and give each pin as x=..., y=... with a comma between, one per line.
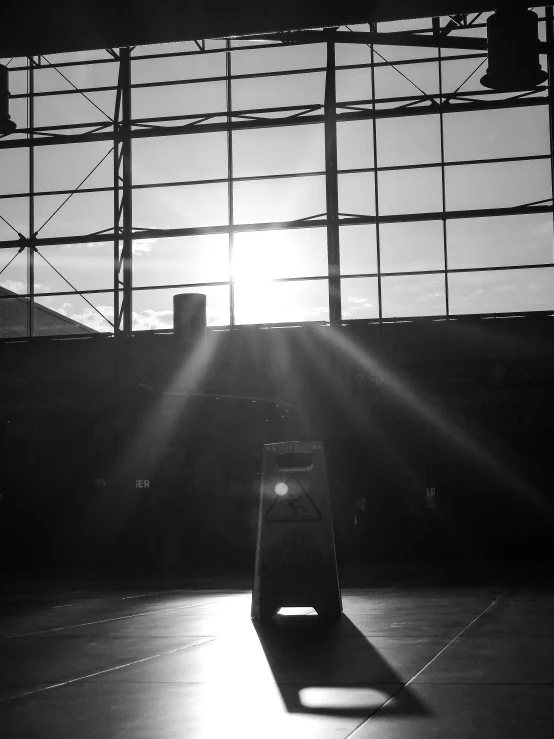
x=253, y=267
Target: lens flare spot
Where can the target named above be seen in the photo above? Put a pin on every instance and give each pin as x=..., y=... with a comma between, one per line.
x=281, y=488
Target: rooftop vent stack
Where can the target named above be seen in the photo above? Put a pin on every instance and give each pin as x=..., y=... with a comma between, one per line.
x=513, y=50
x=189, y=320
x=7, y=126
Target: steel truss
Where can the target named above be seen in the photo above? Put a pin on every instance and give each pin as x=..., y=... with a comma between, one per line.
x=123, y=200
x=124, y=128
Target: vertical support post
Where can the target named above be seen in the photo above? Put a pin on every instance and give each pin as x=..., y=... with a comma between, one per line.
x=31, y=249
x=373, y=28
x=331, y=188
x=549, y=14
x=437, y=34
x=117, y=207
x=123, y=200
x=127, y=193
x=230, y=187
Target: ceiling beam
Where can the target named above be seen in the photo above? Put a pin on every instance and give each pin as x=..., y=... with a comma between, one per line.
x=385, y=39
x=60, y=26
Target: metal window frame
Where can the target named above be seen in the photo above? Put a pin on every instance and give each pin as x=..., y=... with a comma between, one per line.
x=329, y=114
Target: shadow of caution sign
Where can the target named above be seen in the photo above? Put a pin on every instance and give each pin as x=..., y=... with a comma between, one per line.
x=295, y=555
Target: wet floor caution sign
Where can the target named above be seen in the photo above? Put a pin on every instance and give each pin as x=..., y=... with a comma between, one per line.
x=295, y=555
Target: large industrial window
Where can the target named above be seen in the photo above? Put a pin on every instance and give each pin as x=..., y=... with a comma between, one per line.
x=136, y=174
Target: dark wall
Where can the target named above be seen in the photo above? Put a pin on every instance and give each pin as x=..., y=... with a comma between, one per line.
x=464, y=407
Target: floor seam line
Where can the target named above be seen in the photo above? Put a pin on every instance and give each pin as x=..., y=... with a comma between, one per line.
x=406, y=684
x=107, y=620
x=103, y=672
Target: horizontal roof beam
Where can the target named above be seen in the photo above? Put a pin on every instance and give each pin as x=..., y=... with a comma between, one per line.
x=58, y=26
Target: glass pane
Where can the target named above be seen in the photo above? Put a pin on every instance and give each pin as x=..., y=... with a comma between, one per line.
x=353, y=84
x=407, y=80
x=179, y=158
x=59, y=110
x=275, y=92
x=189, y=206
x=84, y=213
x=358, y=250
x=86, y=266
x=494, y=134
x=352, y=54
x=463, y=75
x=500, y=185
x=13, y=278
x=191, y=66
x=357, y=194
x=270, y=255
x=64, y=167
x=153, y=309
x=17, y=78
x=413, y=295
x=410, y=247
x=17, y=85
x=18, y=114
x=280, y=58
x=396, y=51
x=190, y=99
x=278, y=151
x=181, y=260
x=13, y=316
x=72, y=314
x=47, y=78
x=82, y=56
x=411, y=140
x=355, y=144
x=281, y=302
x=359, y=297
x=410, y=191
x=279, y=200
x=477, y=29
x=14, y=218
x=502, y=291
x=14, y=171
x=500, y=241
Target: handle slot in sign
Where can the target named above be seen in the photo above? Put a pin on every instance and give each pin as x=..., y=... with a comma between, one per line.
x=295, y=460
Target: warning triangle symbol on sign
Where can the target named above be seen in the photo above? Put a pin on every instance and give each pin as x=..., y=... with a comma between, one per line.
x=296, y=505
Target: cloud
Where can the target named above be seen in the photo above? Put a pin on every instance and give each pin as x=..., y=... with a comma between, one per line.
x=15, y=286
x=215, y=319
x=89, y=317
x=152, y=319
x=359, y=304
x=142, y=246
x=319, y=313
x=18, y=286
x=505, y=289
x=63, y=309
x=543, y=228
x=86, y=244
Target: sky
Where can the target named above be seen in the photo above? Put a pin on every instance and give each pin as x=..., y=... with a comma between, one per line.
x=296, y=155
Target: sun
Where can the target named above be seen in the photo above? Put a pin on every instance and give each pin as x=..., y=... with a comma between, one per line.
x=253, y=269
x=267, y=268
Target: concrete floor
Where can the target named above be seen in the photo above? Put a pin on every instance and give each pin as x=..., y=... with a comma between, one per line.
x=188, y=664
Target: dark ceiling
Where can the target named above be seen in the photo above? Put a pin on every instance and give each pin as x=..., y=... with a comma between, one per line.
x=57, y=26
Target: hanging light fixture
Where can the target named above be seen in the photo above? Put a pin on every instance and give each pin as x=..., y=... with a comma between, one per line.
x=7, y=126
x=513, y=50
